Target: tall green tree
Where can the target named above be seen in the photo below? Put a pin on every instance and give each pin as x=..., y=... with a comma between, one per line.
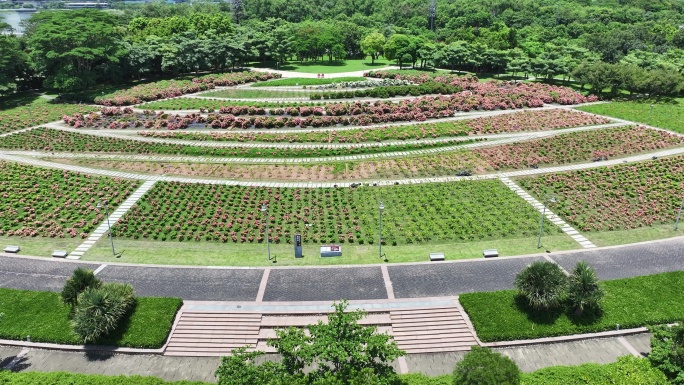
x=68, y=46
x=372, y=45
x=12, y=61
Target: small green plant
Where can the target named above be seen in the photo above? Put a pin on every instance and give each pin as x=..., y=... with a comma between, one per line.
x=482, y=366
x=542, y=284
x=80, y=280
x=100, y=310
x=584, y=291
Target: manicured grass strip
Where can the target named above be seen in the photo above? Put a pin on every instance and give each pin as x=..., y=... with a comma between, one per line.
x=630, y=302
x=668, y=115
x=257, y=94
x=35, y=112
x=52, y=378
x=324, y=66
x=43, y=316
x=290, y=82
x=214, y=104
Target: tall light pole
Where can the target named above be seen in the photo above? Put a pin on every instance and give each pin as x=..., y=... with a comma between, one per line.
x=650, y=111
x=541, y=220
x=679, y=214
x=102, y=204
x=381, y=207
x=264, y=209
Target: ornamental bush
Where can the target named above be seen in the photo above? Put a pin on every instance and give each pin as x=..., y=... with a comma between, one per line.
x=667, y=351
x=542, y=284
x=100, y=310
x=584, y=292
x=81, y=279
x=482, y=366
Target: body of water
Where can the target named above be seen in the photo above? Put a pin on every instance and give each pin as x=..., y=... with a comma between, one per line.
x=14, y=18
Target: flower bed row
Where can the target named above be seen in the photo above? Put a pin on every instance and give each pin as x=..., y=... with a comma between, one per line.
x=595, y=146
x=212, y=105
x=475, y=210
x=514, y=122
x=45, y=139
x=56, y=204
x=173, y=88
x=38, y=112
x=544, y=92
x=617, y=197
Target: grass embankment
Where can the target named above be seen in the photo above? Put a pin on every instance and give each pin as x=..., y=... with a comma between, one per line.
x=325, y=67
x=44, y=317
x=63, y=378
x=293, y=82
x=665, y=113
x=242, y=254
x=25, y=111
x=630, y=302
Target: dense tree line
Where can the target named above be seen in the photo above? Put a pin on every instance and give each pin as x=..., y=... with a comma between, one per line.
x=636, y=45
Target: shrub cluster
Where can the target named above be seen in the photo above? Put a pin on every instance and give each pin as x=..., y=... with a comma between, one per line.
x=545, y=287
x=98, y=308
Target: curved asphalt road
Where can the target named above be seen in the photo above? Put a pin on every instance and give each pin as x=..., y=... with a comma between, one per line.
x=334, y=283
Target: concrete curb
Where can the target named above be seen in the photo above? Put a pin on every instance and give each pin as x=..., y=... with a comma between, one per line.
x=80, y=348
x=574, y=337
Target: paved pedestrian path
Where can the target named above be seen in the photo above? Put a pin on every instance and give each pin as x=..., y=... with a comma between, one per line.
x=110, y=220
x=171, y=368
x=545, y=211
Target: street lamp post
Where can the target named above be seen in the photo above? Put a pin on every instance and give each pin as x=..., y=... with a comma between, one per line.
x=541, y=220
x=679, y=214
x=102, y=204
x=381, y=207
x=650, y=111
x=264, y=209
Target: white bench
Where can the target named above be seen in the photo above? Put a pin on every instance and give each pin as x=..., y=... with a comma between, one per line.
x=12, y=249
x=436, y=256
x=60, y=253
x=491, y=253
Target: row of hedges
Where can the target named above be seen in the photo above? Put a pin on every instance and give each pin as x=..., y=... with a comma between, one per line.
x=429, y=88
x=626, y=371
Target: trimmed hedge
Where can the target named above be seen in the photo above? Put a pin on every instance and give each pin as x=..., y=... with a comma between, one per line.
x=630, y=302
x=44, y=317
x=628, y=370
x=58, y=378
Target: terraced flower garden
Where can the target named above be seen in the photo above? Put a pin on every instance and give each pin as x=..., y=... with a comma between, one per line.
x=56, y=204
x=39, y=111
x=46, y=139
x=582, y=146
x=211, y=105
x=471, y=211
x=626, y=196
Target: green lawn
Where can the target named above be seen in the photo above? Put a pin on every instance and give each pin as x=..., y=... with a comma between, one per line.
x=220, y=254
x=630, y=302
x=325, y=67
x=39, y=246
x=307, y=81
x=642, y=234
x=44, y=317
x=666, y=113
